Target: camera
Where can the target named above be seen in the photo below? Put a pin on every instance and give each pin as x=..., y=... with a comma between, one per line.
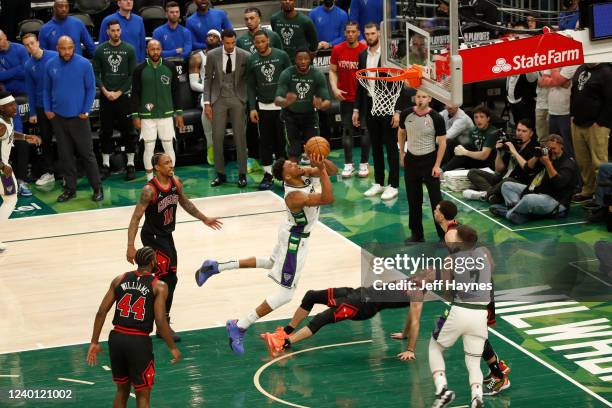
x=503, y=138
x=541, y=151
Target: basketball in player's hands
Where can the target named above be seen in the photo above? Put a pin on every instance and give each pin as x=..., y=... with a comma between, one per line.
x=317, y=145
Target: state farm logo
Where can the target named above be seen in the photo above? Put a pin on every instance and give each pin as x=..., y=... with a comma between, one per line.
x=538, y=60
x=501, y=65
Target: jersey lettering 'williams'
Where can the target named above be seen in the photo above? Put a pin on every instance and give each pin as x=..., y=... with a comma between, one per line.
x=134, y=302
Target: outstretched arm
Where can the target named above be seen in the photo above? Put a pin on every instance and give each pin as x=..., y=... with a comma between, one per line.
x=411, y=330
x=191, y=208
x=298, y=200
x=107, y=303
x=146, y=196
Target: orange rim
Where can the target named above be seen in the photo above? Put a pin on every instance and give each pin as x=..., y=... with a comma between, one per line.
x=412, y=75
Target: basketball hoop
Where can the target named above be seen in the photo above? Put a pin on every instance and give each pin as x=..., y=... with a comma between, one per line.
x=385, y=85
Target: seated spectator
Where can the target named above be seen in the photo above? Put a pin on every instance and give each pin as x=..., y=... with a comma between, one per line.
x=477, y=151
x=601, y=206
x=458, y=124
x=13, y=57
x=174, y=38
x=204, y=20
x=329, y=21
x=512, y=156
x=568, y=19
x=549, y=193
x=64, y=24
x=132, y=28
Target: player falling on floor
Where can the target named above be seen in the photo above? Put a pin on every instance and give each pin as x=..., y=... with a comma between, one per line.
x=140, y=297
x=466, y=318
x=306, y=189
x=361, y=303
x=158, y=203
x=497, y=380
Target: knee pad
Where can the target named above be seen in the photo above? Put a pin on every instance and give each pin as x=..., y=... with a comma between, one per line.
x=308, y=300
x=281, y=297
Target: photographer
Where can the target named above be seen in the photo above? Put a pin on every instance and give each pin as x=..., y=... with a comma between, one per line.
x=550, y=191
x=512, y=156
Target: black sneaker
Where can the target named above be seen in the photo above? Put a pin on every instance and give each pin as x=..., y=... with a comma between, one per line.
x=130, y=173
x=580, y=199
x=267, y=182
x=66, y=195
x=443, y=399
x=413, y=239
x=598, y=215
x=242, y=181
x=105, y=172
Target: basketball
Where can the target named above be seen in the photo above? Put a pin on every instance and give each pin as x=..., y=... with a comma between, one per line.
x=317, y=145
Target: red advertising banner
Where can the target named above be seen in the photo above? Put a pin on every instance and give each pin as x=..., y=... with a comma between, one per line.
x=519, y=56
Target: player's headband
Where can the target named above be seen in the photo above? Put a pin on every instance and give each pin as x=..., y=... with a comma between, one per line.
x=7, y=100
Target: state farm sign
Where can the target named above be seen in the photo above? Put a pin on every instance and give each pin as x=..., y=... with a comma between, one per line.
x=514, y=57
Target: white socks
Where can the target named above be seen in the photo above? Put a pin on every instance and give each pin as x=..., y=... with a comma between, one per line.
x=130, y=159
x=106, y=159
x=248, y=320
x=440, y=381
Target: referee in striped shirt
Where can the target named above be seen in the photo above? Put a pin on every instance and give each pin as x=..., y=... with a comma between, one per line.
x=422, y=142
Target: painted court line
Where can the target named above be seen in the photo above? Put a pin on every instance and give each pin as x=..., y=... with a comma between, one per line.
x=75, y=381
x=285, y=356
x=575, y=265
x=547, y=365
x=476, y=210
x=549, y=226
x=107, y=368
x=9, y=376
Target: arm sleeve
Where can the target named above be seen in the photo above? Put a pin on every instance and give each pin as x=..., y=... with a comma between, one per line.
x=208, y=80
x=564, y=176
x=16, y=72
x=283, y=84
x=47, y=89
x=340, y=34
x=87, y=40
x=197, y=45
x=311, y=35
x=355, y=11
x=95, y=63
x=31, y=91
x=226, y=24
x=490, y=139
x=136, y=90
x=459, y=126
x=131, y=66
x=322, y=89
x=142, y=46
x=360, y=95
x=90, y=89
x=187, y=46
x=102, y=35
x=43, y=39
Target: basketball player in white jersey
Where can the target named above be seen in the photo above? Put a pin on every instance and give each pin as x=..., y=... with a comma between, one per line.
x=8, y=186
x=306, y=189
x=467, y=316
x=197, y=74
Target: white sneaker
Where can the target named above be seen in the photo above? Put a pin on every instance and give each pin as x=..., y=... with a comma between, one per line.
x=348, y=170
x=364, y=170
x=389, y=194
x=374, y=190
x=2, y=247
x=474, y=195
x=45, y=178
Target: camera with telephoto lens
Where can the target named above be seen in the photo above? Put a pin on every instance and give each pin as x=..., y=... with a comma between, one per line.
x=503, y=138
x=541, y=151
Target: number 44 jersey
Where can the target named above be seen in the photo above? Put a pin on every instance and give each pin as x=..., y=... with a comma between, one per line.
x=134, y=302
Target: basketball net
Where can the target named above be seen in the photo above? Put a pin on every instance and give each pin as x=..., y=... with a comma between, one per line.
x=385, y=85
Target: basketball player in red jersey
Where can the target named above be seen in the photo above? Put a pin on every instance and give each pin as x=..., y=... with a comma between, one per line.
x=158, y=202
x=139, y=297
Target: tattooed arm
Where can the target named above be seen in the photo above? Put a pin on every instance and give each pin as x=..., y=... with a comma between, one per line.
x=191, y=208
x=145, y=198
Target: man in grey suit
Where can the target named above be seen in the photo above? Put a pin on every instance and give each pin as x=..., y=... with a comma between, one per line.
x=225, y=95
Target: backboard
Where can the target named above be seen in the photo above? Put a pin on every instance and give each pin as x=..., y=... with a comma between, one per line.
x=419, y=36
